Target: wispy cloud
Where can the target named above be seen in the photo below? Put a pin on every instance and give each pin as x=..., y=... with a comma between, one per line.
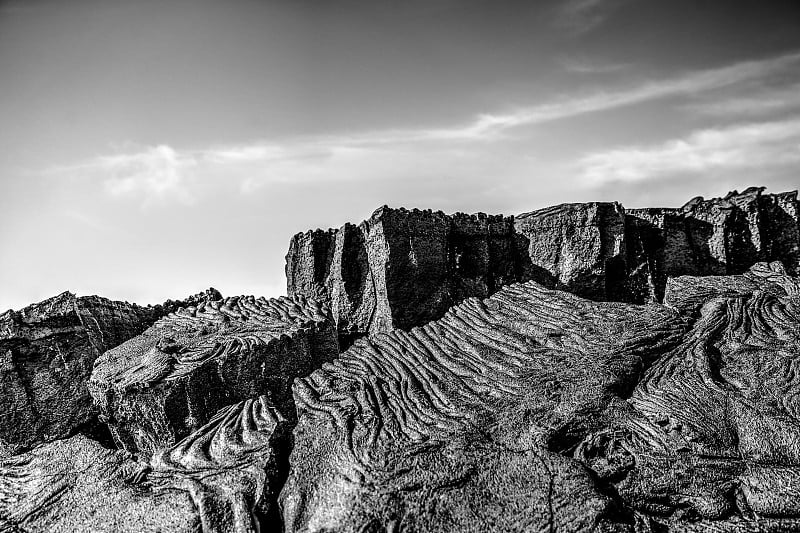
x=758, y=102
x=583, y=66
x=581, y=16
x=163, y=174
x=761, y=146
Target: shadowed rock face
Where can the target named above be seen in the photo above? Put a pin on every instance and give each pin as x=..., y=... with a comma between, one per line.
x=458, y=425
x=579, y=248
x=161, y=386
x=46, y=355
x=402, y=268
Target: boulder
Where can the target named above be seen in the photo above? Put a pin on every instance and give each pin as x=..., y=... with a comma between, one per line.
x=164, y=384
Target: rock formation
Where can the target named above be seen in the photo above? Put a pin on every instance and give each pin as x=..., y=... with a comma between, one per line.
x=462, y=424
x=47, y=351
x=403, y=268
x=577, y=368
x=159, y=387
x=219, y=479
x=46, y=355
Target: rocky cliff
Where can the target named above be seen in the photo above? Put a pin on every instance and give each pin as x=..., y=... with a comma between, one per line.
x=401, y=268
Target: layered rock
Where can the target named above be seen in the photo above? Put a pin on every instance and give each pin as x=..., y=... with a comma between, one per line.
x=458, y=425
x=47, y=351
x=401, y=268
x=164, y=384
x=219, y=479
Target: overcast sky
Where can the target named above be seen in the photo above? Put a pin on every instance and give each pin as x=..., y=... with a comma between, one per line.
x=150, y=149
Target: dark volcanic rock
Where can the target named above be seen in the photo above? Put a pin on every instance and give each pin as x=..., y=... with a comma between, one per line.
x=579, y=248
x=721, y=236
x=459, y=425
x=161, y=386
x=401, y=268
x=46, y=355
x=219, y=479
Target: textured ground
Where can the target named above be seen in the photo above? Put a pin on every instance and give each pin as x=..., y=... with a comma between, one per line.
x=577, y=368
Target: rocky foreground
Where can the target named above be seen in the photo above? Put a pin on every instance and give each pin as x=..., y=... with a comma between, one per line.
x=578, y=368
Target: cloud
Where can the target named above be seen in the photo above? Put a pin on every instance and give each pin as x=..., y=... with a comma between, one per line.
x=156, y=173
x=163, y=175
x=764, y=101
x=758, y=146
x=691, y=84
x=585, y=67
x=581, y=16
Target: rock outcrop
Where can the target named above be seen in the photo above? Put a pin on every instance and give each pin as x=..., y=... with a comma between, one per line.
x=715, y=437
x=710, y=237
x=579, y=248
x=402, y=268
x=46, y=355
x=164, y=384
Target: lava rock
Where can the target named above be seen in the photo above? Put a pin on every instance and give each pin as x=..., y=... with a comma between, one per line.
x=462, y=424
x=161, y=386
x=579, y=248
x=77, y=485
x=220, y=479
x=712, y=434
x=46, y=355
x=721, y=236
x=401, y=268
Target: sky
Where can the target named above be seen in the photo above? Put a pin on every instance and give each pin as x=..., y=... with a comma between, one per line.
x=151, y=149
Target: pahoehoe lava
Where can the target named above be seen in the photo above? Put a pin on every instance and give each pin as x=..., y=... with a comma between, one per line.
x=583, y=367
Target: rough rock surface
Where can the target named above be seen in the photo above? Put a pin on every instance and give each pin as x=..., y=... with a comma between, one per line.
x=579, y=248
x=219, y=479
x=46, y=355
x=710, y=237
x=716, y=436
x=162, y=385
x=460, y=425
x=403, y=268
